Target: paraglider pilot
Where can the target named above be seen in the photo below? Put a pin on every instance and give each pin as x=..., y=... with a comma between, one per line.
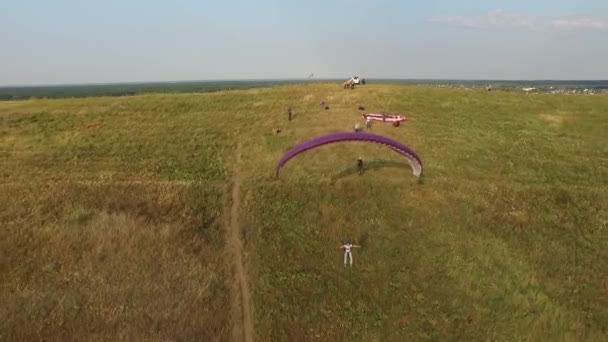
x=289, y=113
x=347, y=252
x=360, y=165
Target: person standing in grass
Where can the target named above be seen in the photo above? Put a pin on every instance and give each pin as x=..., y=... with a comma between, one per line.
x=348, y=255
x=360, y=165
x=289, y=113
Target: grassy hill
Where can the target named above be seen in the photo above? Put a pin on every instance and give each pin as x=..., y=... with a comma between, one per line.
x=114, y=213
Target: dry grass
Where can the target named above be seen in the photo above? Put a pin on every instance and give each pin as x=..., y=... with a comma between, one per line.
x=111, y=210
x=107, y=262
x=111, y=223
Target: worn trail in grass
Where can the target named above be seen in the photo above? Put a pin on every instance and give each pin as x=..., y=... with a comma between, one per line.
x=240, y=298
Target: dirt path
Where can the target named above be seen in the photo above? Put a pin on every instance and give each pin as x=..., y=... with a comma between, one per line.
x=242, y=329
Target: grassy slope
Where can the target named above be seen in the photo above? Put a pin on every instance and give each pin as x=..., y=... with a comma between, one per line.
x=506, y=239
x=112, y=220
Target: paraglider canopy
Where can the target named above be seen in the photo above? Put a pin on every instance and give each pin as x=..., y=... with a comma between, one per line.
x=403, y=150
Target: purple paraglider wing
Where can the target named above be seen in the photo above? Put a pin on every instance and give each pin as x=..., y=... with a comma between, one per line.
x=405, y=151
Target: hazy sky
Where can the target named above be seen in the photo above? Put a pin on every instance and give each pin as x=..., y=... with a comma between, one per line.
x=55, y=42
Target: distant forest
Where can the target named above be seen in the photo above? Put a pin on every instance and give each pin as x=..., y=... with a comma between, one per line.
x=130, y=89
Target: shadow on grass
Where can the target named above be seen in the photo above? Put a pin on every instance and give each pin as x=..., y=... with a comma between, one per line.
x=362, y=241
x=369, y=166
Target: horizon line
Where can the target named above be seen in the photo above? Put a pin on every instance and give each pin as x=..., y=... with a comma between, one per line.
x=289, y=79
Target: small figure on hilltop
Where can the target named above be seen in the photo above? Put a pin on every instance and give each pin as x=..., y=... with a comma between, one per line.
x=360, y=165
x=347, y=252
x=289, y=113
x=368, y=123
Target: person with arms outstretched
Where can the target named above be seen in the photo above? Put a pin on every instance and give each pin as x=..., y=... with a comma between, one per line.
x=348, y=255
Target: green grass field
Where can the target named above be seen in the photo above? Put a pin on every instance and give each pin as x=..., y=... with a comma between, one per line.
x=112, y=215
